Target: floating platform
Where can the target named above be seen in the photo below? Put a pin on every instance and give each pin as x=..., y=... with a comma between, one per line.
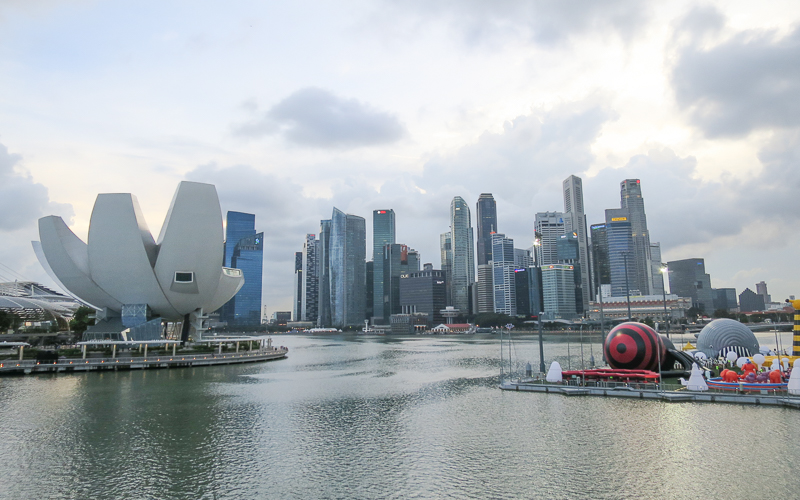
x=765, y=397
x=27, y=367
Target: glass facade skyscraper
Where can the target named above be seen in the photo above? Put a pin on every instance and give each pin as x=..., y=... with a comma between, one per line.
x=575, y=220
x=324, y=271
x=487, y=224
x=549, y=226
x=383, y=233
x=601, y=275
x=310, y=289
x=620, y=253
x=397, y=260
x=244, y=249
x=348, y=269
x=503, y=285
x=463, y=257
x=632, y=201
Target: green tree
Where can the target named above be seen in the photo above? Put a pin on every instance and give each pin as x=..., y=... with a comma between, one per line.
x=649, y=322
x=722, y=313
x=81, y=321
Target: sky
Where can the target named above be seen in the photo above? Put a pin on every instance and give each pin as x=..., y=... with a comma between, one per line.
x=293, y=108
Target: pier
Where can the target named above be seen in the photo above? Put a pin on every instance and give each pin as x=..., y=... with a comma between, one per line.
x=179, y=360
x=653, y=392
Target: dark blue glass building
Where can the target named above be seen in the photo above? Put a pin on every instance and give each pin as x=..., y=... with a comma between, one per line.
x=244, y=249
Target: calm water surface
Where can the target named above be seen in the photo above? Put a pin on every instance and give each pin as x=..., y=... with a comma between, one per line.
x=378, y=417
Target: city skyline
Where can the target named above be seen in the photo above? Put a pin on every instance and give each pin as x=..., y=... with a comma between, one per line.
x=406, y=106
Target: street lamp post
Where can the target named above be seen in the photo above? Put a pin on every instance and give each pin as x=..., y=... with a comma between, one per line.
x=664, y=271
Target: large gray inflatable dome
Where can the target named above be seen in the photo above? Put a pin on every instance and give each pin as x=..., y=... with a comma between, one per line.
x=723, y=335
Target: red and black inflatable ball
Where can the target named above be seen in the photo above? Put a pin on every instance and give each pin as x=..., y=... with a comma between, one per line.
x=634, y=346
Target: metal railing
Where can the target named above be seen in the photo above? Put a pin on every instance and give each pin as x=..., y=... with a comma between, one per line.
x=158, y=358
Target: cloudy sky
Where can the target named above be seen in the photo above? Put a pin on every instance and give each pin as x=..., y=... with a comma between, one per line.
x=292, y=108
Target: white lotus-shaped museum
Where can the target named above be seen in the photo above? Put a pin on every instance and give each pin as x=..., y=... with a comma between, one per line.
x=121, y=265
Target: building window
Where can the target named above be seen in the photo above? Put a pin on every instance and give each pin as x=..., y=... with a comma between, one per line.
x=184, y=277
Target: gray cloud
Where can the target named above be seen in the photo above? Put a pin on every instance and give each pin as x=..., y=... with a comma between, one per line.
x=23, y=201
x=545, y=22
x=315, y=117
x=749, y=82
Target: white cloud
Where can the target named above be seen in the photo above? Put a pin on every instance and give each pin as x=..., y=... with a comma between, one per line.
x=317, y=118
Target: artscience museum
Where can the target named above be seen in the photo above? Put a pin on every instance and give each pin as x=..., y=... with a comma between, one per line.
x=138, y=283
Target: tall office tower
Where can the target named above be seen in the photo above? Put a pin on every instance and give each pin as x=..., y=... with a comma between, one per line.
x=528, y=284
x=575, y=220
x=248, y=255
x=485, y=289
x=446, y=249
x=487, y=224
x=348, y=269
x=397, y=260
x=505, y=296
x=463, y=257
x=324, y=252
x=620, y=253
x=558, y=290
x=523, y=257
x=632, y=201
x=310, y=295
x=370, y=305
x=297, y=309
x=383, y=233
x=659, y=280
x=549, y=226
x=688, y=278
x=244, y=249
x=601, y=273
x=424, y=292
x=761, y=289
x=569, y=253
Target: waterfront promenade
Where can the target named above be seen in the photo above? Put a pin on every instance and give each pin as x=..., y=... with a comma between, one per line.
x=178, y=360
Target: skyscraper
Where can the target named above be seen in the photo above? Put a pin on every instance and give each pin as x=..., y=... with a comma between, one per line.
x=347, y=261
x=601, y=274
x=558, y=286
x=446, y=250
x=244, y=249
x=248, y=255
x=688, y=278
x=423, y=292
x=485, y=288
x=575, y=220
x=549, y=226
x=761, y=289
x=620, y=253
x=569, y=253
x=297, y=304
x=324, y=271
x=397, y=260
x=310, y=291
x=632, y=201
x=463, y=258
x=659, y=281
x=487, y=224
x=505, y=297
x=383, y=233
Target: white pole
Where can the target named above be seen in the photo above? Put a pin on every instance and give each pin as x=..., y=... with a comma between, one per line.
x=113, y=351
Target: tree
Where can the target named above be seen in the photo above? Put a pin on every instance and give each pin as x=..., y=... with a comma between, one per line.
x=81, y=320
x=649, y=322
x=722, y=313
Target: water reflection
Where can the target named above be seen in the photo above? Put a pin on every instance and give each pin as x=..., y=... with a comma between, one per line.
x=372, y=417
